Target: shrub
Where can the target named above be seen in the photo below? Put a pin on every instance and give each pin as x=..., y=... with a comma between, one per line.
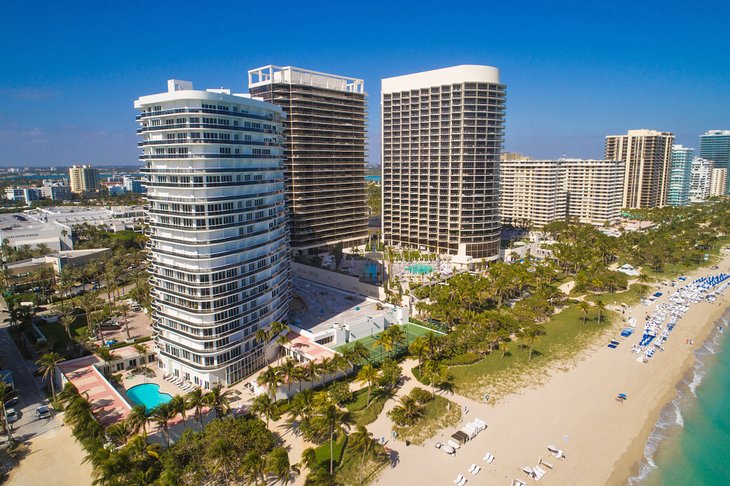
x=461, y=359
x=340, y=392
x=421, y=396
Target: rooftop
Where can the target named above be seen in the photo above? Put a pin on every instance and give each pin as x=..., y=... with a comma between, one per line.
x=292, y=75
x=465, y=73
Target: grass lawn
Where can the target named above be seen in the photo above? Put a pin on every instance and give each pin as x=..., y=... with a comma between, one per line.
x=361, y=414
x=631, y=296
x=350, y=472
x=672, y=270
x=323, y=451
x=438, y=414
x=565, y=337
x=56, y=332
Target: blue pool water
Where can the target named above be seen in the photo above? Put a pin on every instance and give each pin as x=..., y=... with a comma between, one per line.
x=148, y=395
x=420, y=268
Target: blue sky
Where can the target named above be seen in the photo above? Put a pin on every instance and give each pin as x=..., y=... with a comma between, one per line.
x=575, y=71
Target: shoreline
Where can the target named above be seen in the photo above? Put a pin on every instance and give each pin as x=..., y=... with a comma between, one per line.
x=576, y=409
x=630, y=463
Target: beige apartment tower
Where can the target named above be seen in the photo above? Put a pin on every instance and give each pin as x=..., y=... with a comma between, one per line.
x=83, y=178
x=647, y=156
x=718, y=181
x=442, y=137
x=538, y=192
x=324, y=145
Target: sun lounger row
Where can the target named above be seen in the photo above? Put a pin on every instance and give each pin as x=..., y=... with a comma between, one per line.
x=460, y=480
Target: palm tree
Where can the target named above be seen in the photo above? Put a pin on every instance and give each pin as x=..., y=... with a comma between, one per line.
x=196, y=400
x=288, y=373
x=119, y=432
x=107, y=355
x=330, y=420
x=281, y=341
x=253, y=466
x=89, y=303
x=178, y=405
x=263, y=336
x=601, y=307
x=362, y=442
x=4, y=391
x=310, y=372
x=397, y=335
x=409, y=409
x=47, y=366
x=141, y=351
x=223, y=452
x=219, y=400
x=265, y=407
x=309, y=459
x=137, y=419
x=384, y=339
x=161, y=416
x=531, y=334
x=434, y=372
x=418, y=348
x=368, y=374
x=584, y=308
x=278, y=465
x=271, y=379
x=325, y=368
x=67, y=322
x=356, y=353
x=124, y=309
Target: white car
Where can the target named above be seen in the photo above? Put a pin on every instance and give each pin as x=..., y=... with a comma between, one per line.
x=11, y=415
x=43, y=412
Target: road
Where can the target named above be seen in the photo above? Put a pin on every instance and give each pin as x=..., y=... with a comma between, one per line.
x=28, y=387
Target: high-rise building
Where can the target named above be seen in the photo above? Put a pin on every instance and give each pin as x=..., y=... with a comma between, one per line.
x=532, y=192
x=718, y=182
x=647, y=156
x=543, y=191
x=680, y=172
x=219, y=254
x=442, y=137
x=325, y=153
x=594, y=190
x=715, y=146
x=699, y=184
x=83, y=178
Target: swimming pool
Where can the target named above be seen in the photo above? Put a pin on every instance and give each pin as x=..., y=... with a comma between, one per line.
x=148, y=395
x=420, y=268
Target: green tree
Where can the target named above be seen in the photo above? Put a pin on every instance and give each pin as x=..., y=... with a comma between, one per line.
x=584, y=308
x=265, y=407
x=47, y=367
x=219, y=400
x=196, y=400
x=161, y=416
x=329, y=419
x=361, y=442
x=279, y=467
x=108, y=356
x=368, y=375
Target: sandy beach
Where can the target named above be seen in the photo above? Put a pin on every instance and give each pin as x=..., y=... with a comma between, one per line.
x=575, y=410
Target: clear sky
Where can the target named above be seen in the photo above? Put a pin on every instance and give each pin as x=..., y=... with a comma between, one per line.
x=575, y=71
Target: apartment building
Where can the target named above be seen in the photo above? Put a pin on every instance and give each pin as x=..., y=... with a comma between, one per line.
x=219, y=263
x=533, y=192
x=594, y=190
x=680, y=171
x=83, y=178
x=325, y=135
x=442, y=137
x=538, y=192
x=715, y=146
x=718, y=181
x=647, y=156
x=699, y=185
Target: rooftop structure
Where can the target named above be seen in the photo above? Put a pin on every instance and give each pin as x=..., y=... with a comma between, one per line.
x=324, y=145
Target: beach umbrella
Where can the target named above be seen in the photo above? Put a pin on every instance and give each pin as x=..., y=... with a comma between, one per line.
x=622, y=395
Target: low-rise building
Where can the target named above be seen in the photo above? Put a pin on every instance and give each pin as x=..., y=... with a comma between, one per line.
x=24, y=194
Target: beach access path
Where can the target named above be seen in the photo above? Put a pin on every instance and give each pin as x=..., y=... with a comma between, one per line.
x=575, y=410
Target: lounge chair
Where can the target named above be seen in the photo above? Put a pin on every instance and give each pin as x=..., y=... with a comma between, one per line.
x=472, y=467
x=539, y=472
x=481, y=423
x=459, y=480
x=476, y=470
x=528, y=470
x=517, y=482
x=488, y=458
x=546, y=464
x=462, y=482
x=453, y=444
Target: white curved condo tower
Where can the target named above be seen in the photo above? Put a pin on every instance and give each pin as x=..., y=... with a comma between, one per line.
x=218, y=237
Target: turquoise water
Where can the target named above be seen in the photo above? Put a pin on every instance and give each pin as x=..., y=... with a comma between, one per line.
x=690, y=444
x=420, y=268
x=148, y=395
x=373, y=178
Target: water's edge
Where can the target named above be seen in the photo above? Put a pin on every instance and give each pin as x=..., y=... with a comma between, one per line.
x=670, y=423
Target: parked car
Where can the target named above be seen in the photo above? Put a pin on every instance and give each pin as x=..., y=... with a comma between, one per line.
x=12, y=398
x=11, y=415
x=43, y=412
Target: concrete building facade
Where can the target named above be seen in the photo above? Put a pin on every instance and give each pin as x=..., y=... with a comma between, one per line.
x=718, y=182
x=646, y=155
x=324, y=145
x=219, y=253
x=680, y=172
x=699, y=185
x=533, y=192
x=715, y=146
x=443, y=132
x=594, y=190
x=83, y=178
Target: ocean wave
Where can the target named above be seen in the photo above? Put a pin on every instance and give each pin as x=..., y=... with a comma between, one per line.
x=671, y=416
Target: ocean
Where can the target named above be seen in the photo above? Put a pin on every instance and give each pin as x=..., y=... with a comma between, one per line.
x=690, y=443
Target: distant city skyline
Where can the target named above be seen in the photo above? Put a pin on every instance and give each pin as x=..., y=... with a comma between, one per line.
x=575, y=73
